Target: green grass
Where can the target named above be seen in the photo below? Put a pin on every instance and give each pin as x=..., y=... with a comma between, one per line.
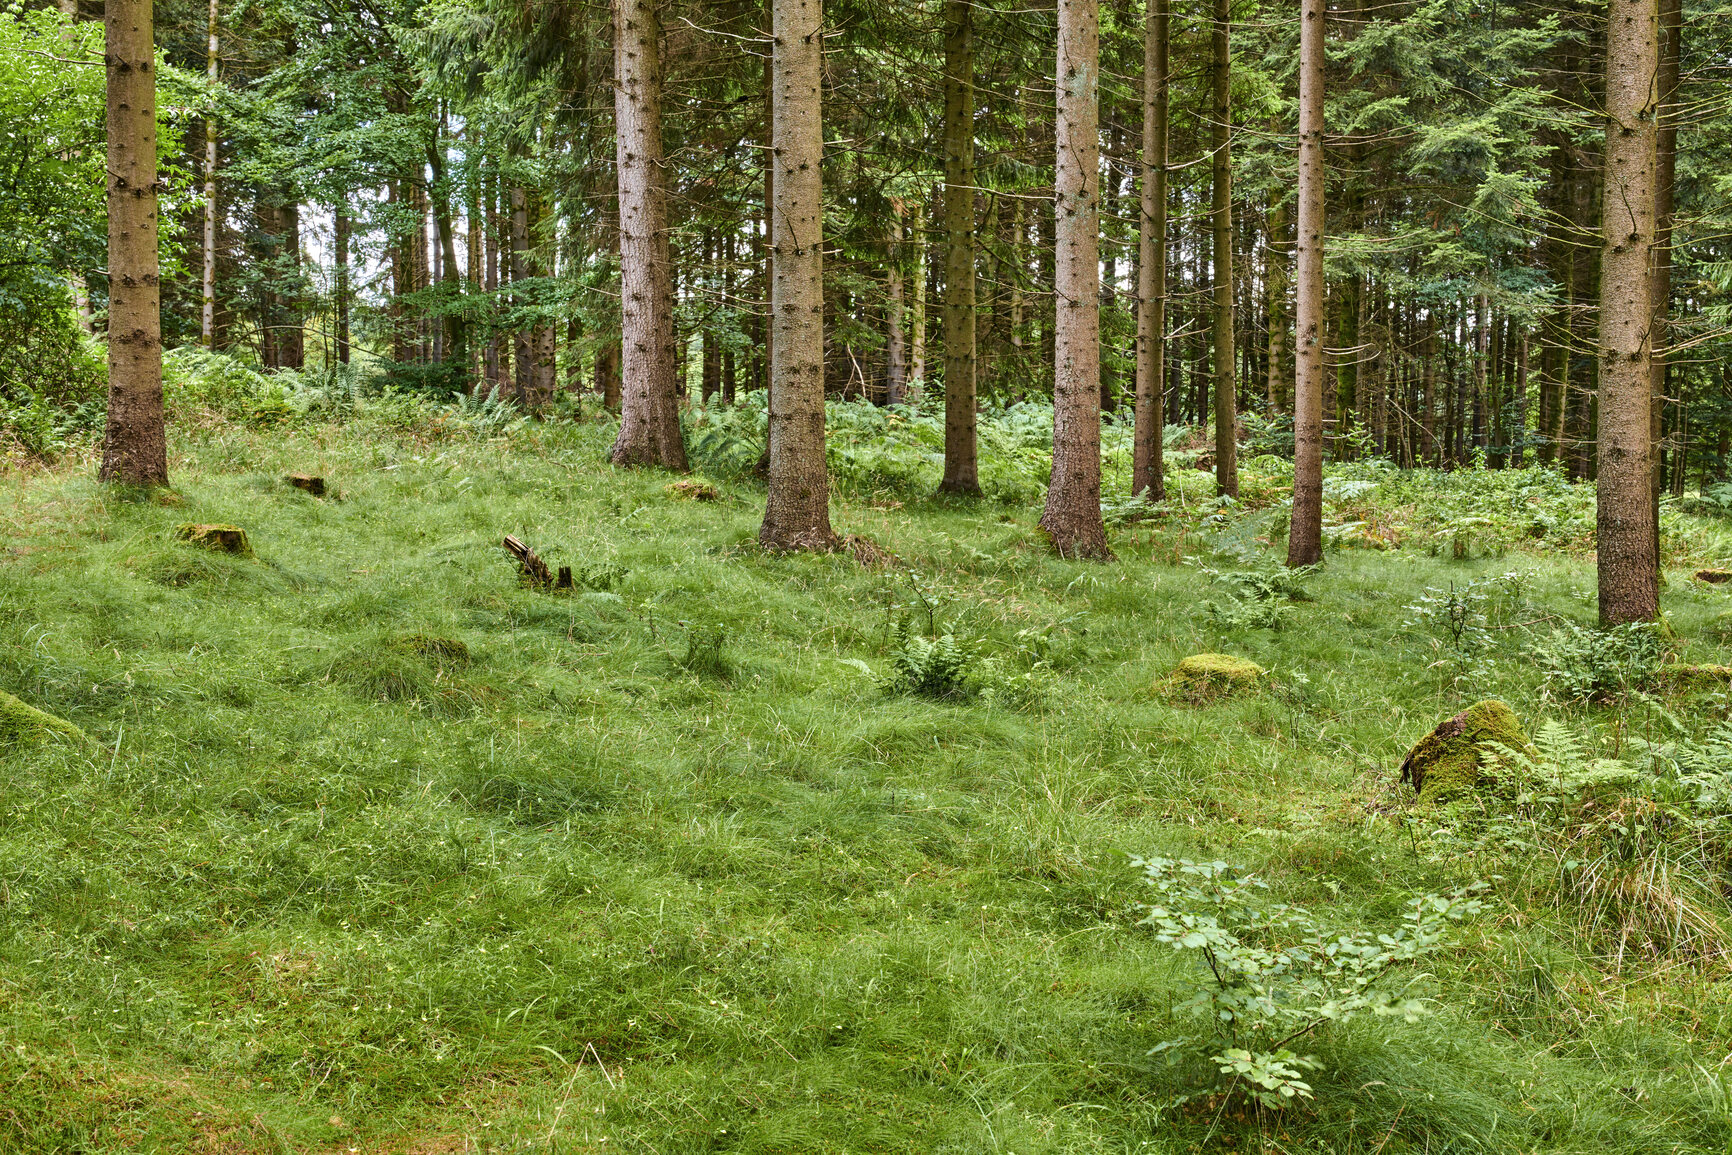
x=385, y=852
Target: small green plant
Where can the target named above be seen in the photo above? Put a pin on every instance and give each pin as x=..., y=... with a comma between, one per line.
x=1456, y=616
x=1273, y=974
x=705, y=652
x=1595, y=665
x=929, y=667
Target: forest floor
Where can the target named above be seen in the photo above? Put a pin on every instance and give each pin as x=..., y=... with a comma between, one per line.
x=384, y=851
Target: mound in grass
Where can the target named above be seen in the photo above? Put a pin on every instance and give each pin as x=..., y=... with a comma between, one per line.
x=1202, y=677
x=218, y=538
x=1685, y=678
x=691, y=489
x=1446, y=762
x=22, y=722
x=443, y=653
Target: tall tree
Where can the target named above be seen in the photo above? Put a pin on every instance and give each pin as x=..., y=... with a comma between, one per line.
x=895, y=351
x=1628, y=582
x=1305, y=533
x=134, y=444
x=1072, y=516
x=649, y=426
x=207, y=313
x=1149, y=416
x=1221, y=220
x=797, y=509
x=961, y=454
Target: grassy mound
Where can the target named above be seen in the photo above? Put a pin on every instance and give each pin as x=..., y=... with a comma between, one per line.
x=22, y=722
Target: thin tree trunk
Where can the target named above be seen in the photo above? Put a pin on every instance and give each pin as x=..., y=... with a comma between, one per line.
x=207, y=314
x=649, y=428
x=523, y=338
x=1305, y=535
x=1221, y=183
x=1149, y=417
x=1666, y=148
x=1073, y=498
x=1277, y=289
x=895, y=350
x=917, y=320
x=134, y=444
x=342, y=279
x=797, y=509
x=961, y=463
x=1628, y=588
x=450, y=276
x=490, y=276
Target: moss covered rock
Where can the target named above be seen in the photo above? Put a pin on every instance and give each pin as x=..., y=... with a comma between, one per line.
x=1447, y=761
x=22, y=722
x=1204, y=676
x=691, y=489
x=219, y=538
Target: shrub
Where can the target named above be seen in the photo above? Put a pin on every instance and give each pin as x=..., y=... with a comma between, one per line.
x=1596, y=665
x=1273, y=974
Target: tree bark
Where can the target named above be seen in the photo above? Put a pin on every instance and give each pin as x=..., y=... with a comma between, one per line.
x=134, y=444
x=1666, y=149
x=342, y=290
x=1149, y=416
x=649, y=427
x=961, y=452
x=1276, y=285
x=1628, y=589
x=895, y=350
x=1221, y=213
x=523, y=338
x=1072, y=516
x=797, y=509
x=207, y=313
x=1305, y=535
x=917, y=319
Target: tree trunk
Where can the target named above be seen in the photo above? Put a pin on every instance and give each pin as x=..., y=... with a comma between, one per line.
x=490, y=276
x=1149, y=417
x=1073, y=498
x=134, y=444
x=342, y=281
x=961, y=462
x=917, y=320
x=649, y=427
x=1221, y=213
x=1305, y=535
x=207, y=315
x=1628, y=587
x=450, y=276
x=797, y=509
x=1666, y=149
x=895, y=351
x=1277, y=289
x=523, y=338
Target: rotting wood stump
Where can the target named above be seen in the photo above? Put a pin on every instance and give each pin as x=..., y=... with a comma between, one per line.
x=313, y=485
x=1714, y=577
x=535, y=571
x=218, y=538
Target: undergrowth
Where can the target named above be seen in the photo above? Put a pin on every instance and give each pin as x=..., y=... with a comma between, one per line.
x=384, y=850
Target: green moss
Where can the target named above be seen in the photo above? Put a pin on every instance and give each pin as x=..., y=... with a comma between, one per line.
x=1203, y=676
x=442, y=653
x=22, y=722
x=220, y=538
x=1446, y=762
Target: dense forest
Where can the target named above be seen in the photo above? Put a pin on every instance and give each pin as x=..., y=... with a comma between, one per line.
x=906, y=575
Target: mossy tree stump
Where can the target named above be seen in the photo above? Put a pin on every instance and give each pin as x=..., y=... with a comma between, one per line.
x=22, y=722
x=1446, y=763
x=216, y=538
x=1202, y=677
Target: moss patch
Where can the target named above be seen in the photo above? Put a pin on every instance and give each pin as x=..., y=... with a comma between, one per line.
x=691, y=489
x=22, y=722
x=1693, y=677
x=219, y=538
x=1202, y=677
x=1446, y=762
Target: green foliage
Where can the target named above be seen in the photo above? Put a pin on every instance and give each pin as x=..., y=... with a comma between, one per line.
x=1585, y=664
x=930, y=667
x=1274, y=974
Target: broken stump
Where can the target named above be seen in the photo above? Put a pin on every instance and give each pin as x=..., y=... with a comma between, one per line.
x=313, y=485
x=217, y=538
